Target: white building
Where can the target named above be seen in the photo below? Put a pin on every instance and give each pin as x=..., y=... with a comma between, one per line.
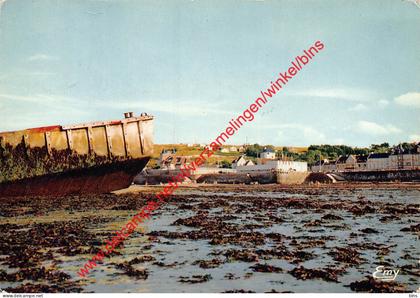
x=350, y=163
x=404, y=161
x=354, y=163
x=240, y=161
x=320, y=166
x=341, y=163
x=275, y=165
x=399, y=160
x=330, y=167
x=378, y=161
x=249, y=163
x=268, y=153
x=361, y=162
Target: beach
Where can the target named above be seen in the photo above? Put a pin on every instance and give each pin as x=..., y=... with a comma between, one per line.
x=217, y=238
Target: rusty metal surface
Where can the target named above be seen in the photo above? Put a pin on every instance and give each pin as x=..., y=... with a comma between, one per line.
x=35, y=156
x=101, y=179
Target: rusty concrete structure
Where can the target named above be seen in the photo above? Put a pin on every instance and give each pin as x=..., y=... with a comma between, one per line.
x=93, y=157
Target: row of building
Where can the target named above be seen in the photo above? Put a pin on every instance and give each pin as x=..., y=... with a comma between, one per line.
x=223, y=149
x=370, y=162
x=397, y=160
x=169, y=160
x=241, y=164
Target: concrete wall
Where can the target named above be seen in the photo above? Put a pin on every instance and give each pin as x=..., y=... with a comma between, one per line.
x=392, y=175
x=204, y=170
x=330, y=167
x=318, y=178
x=291, y=177
x=153, y=177
x=276, y=165
x=238, y=178
x=158, y=176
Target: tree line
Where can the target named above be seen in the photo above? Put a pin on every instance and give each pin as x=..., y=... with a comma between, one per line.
x=331, y=152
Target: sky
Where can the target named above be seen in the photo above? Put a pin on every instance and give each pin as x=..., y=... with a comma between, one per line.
x=196, y=64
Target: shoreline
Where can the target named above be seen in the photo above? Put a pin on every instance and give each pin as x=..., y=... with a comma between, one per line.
x=227, y=234
x=135, y=188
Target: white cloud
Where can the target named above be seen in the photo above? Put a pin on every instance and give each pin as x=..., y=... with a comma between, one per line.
x=182, y=108
x=348, y=94
x=373, y=128
x=414, y=138
x=1, y=3
x=308, y=133
x=40, y=110
x=364, y=98
x=338, y=141
x=311, y=133
x=42, y=57
x=35, y=73
x=383, y=103
x=358, y=108
x=39, y=98
x=415, y=2
x=22, y=74
x=411, y=99
x=1, y=6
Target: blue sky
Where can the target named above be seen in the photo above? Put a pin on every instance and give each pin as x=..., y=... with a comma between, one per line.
x=196, y=64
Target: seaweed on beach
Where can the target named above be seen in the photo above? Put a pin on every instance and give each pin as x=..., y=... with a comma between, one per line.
x=319, y=232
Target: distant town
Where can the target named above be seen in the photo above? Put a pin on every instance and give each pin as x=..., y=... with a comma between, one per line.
x=261, y=164
x=318, y=158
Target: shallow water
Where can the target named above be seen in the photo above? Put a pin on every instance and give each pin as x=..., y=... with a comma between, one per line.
x=237, y=274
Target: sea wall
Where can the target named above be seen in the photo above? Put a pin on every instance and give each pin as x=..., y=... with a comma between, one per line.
x=392, y=175
x=238, y=178
x=291, y=177
x=153, y=177
x=317, y=177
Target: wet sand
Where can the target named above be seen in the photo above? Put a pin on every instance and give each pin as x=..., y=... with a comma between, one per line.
x=217, y=238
